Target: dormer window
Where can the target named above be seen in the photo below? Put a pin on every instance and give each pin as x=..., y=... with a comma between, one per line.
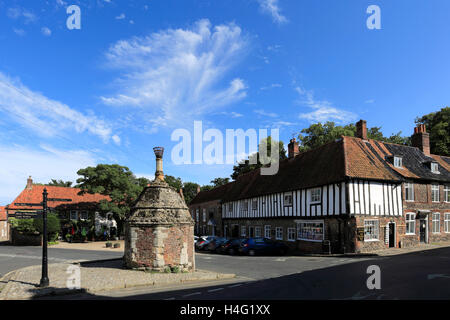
x=398, y=162
x=434, y=167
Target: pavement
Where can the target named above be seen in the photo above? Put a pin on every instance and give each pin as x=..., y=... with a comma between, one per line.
x=93, y=246
x=23, y=284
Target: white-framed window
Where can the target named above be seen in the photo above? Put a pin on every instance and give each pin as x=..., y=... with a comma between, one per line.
x=257, y=232
x=447, y=222
x=243, y=231
x=204, y=215
x=435, y=167
x=409, y=191
x=255, y=204
x=279, y=233
x=204, y=230
x=371, y=230
x=244, y=206
x=435, y=193
x=410, y=223
x=267, y=231
x=315, y=195
x=288, y=199
x=311, y=230
x=447, y=193
x=398, y=162
x=73, y=215
x=291, y=234
x=230, y=207
x=84, y=215
x=197, y=215
x=436, y=222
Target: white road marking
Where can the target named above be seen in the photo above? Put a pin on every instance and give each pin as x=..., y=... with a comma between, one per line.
x=192, y=294
x=433, y=276
x=213, y=290
x=29, y=257
x=172, y=298
x=235, y=285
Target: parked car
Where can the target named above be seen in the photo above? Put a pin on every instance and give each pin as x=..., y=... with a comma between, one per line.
x=254, y=246
x=203, y=241
x=214, y=244
x=230, y=246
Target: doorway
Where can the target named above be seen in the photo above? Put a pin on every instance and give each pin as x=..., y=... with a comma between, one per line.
x=235, y=231
x=251, y=232
x=423, y=230
x=392, y=235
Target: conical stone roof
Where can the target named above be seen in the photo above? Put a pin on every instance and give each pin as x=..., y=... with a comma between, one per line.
x=159, y=204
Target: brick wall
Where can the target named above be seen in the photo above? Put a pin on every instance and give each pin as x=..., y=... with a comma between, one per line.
x=4, y=231
x=213, y=207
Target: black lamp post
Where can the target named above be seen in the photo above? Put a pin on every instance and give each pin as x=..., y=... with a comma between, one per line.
x=44, y=278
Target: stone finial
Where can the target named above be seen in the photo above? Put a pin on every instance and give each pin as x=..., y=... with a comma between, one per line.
x=159, y=174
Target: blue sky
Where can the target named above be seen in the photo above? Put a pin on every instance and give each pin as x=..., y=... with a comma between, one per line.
x=138, y=70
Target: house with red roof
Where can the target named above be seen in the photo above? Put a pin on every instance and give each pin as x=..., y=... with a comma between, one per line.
x=65, y=201
x=354, y=194
x=4, y=230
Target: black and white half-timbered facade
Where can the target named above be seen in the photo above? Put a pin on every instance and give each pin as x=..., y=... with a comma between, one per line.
x=350, y=195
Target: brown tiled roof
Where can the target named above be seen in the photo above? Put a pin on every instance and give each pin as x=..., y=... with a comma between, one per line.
x=3, y=215
x=345, y=158
x=34, y=196
x=211, y=195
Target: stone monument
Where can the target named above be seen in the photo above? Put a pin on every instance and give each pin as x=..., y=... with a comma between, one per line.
x=159, y=232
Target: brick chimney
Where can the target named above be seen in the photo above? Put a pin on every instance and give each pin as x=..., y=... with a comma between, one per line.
x=361, y=129
x=293, y=148
x=29, y=183
x=421, y=139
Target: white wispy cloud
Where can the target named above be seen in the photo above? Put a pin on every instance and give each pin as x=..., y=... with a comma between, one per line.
x=178, y=71
x=272, y=7
x=18, y=12
x=46, y=31
x=273, y=85
x=45, y=116
x=19, y=32
x=264, y=113
x=323, y=110
x=42, y=163
x=121, y=16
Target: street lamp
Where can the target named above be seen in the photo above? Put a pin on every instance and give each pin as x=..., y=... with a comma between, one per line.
x=44, y=279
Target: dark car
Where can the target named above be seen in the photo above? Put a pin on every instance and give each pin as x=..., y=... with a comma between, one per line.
x=203, y=242
x=230, y=246
x=214, y=244
x=254, y=246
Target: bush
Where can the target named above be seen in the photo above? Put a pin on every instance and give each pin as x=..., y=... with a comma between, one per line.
x=53, y=224
x=25, y=226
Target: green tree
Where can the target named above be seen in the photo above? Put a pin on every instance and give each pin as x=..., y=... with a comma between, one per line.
x=174, y=182
x=115, y=181
x=53, y=226
x=217, y=182
x=254, y=160
x=60, y=183
x=319, y=134
x=190, y=191
x=438, y=126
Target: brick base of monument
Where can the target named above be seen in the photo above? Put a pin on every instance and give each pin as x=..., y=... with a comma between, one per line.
x=160, y=247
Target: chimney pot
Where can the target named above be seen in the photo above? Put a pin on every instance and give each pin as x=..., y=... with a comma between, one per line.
x=361, y=129
x=29, y=183
x=159, y=174
x=293, y=148
x=421, y=139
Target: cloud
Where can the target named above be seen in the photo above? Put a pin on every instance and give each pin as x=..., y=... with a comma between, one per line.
x=121, y=16
x=116, y=139
x=323, y=110
x=271, y=7
x=232, y=114
x=370, y=101
x=273, y=85
x=178, y=71
x=46, y=31
x=45, y=116
x=43, y=164
x=264, y=113
x=19, y=32
x=17, y=12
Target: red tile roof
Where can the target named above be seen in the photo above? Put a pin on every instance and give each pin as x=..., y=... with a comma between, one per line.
x=34, y=196
x=3, y=215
